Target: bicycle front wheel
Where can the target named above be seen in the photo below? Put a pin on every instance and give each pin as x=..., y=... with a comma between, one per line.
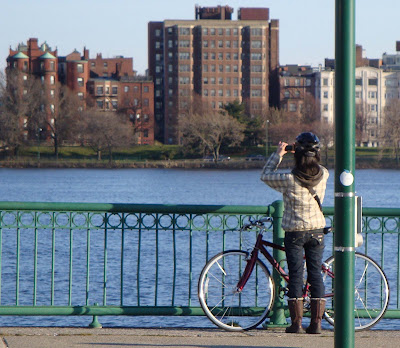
x=223, y=304
x=371, y=292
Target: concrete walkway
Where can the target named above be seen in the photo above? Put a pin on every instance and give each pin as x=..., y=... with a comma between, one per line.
x=194, y=338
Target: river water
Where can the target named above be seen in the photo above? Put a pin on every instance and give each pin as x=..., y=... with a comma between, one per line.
x=379, y=188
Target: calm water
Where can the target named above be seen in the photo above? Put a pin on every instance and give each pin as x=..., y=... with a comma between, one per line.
x=379, y=188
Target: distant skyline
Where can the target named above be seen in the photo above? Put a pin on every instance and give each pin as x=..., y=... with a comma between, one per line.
x=119, y=27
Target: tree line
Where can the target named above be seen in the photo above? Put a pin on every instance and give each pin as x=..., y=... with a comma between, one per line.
x=30, y=114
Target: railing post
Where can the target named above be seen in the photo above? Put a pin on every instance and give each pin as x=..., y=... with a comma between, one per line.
x=278, y=318
x=95, y=324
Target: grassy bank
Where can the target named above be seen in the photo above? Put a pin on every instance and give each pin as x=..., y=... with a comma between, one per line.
x=169, y=156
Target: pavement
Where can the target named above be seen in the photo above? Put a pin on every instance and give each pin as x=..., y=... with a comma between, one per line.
x=62, y=337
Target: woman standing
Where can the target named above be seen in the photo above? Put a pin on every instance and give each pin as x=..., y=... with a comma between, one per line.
x=303, y=192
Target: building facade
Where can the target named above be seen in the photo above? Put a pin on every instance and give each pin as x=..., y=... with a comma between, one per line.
x=108, y=84
x=213, y=59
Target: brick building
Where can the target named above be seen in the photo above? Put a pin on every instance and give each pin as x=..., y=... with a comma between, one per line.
x=213, y=58
x=109, y=84
x=297, y=88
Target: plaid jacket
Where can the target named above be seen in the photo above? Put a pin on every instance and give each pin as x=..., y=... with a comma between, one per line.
x=301, y=212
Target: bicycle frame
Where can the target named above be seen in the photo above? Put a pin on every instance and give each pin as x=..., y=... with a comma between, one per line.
x=261, y=245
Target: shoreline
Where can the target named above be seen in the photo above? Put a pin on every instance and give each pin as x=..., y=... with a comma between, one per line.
x=177, y=164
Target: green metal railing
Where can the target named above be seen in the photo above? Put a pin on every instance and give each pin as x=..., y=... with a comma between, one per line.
x=130, y=259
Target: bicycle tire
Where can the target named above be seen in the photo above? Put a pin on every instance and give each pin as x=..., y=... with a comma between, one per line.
x=371, y=292
x=223, y=304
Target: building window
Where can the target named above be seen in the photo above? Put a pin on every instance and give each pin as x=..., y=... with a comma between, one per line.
x=220, y=80
x=256, y=93
x=105, y=64
x=213, y=68
x=52, y=93
x=212, y=56
x=220, y=43
x=287, y=94
x=184, y=67
x=205, y=68
x=227, y=31
x=228, y=68
x=220, y=31
x=80, y=82
x=205, y=31
x=184, y=55
x=326, y=94
x=52, y=65
x=146, y=102
x=79, y=68
x=235, y=68
x=256, y=44
x=325, y=82
x=100, y=104
x=184, y=31
x=220, y=56
x=292, y=107
x=99, y=90
x=80, y=95
x=205, y=55
x=114, y=104
x=372, y=82
x=359, y=82
x=205, y=43
x=212, y=31
x=212, y=80
x=256, y=68
x=228, y=44
x=213, y=92
x=158, y=32
x=205, y=92
x=325, y=107
x=235, y=31
x=53, y=80
x=256, y=80
x=256, y=31
x=212, y=44
x=184, y=80
x=220, y=93
x=114, y=90
x=126, y=89
x=146, y=89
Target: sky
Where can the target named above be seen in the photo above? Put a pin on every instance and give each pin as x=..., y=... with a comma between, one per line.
x=119, y=27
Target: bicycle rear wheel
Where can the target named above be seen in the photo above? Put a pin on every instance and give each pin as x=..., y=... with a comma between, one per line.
x=223, y=304
x=371, y=292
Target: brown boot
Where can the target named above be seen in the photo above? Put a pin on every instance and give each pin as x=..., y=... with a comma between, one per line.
x=317, y=311
x=296, y=314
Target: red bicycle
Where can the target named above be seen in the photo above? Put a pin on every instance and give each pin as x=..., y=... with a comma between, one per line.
x=236, y=289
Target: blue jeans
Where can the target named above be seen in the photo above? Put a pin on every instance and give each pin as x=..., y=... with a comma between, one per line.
x=312, y=243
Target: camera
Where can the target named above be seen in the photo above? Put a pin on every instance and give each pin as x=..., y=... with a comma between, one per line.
x=289, y=148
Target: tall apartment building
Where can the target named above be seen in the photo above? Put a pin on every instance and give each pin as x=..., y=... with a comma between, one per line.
x=110, y=84
x=213, y=58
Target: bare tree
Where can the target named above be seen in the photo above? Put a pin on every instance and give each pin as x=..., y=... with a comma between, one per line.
x=61, y=121
x=361, y=122
x=210, y=130
x=20, y=102
x=105, y=131
x=310, y=110
x=391, y=127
